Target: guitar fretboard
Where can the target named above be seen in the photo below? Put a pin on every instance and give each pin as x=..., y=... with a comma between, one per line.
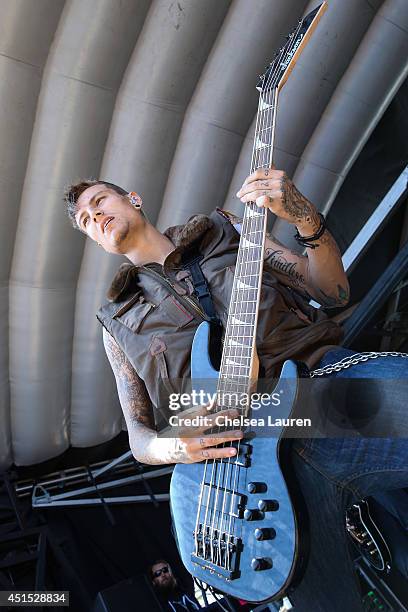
x=239, y=341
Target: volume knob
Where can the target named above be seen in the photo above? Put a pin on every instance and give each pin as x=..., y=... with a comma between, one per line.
x=261, y=563
x=265, y=533
x=253, y=515
x=268, y=505
x=256, y=487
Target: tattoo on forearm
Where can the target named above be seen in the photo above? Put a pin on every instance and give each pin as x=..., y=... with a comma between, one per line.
x=330, y=301
x=281, y=264
x=296, y=205
x=134, y=399
x=327, y=240
x=343, y=293
x=273, y=239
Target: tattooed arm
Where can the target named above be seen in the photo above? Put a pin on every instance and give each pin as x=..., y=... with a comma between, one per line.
x=145, y=444
x=320, y=274
x=136, y=406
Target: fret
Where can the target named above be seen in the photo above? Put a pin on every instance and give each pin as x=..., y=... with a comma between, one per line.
x=236, y=343
x=253, y=213
x=263, y=107
x=234, y=383
x=262, y=146
x=237, y=371
x=245, y=287
x=243, y=272
x=267, y=129
x=246, y=336
x=238, y=322
x=260, y=231
x=228, y=379
x=234, y=361
x=246, y=302
x=255, y=262
x=247, y=244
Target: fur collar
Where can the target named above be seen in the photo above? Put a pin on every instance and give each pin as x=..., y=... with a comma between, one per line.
x=182, y=236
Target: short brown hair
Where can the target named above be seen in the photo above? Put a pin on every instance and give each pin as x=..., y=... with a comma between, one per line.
x=74, y=191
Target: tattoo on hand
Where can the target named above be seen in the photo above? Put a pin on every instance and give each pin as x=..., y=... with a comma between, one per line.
x=296, y=205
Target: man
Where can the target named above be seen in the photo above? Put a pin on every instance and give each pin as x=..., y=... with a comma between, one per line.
x=148, y=331
x=171, y=596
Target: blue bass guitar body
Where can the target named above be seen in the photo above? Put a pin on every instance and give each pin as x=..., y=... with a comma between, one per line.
x=239, y=532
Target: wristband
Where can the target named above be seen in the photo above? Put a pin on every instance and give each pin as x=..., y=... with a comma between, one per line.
x=305, y=240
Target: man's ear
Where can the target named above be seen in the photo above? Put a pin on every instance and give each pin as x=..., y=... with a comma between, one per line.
x=135, y=199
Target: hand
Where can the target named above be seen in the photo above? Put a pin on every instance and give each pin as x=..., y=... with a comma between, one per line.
x=273, y=189
x=193, y=445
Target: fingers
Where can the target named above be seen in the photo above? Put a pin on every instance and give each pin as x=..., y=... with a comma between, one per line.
x=202, y=410
x=267, y=196
x=198, y=444
x=264, y=173
x=218, y=419
x=209, y=421
x=214, y=453
x=248, y=190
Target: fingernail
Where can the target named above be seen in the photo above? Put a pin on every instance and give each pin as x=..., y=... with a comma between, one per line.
x=232, y=451
x=237, y=434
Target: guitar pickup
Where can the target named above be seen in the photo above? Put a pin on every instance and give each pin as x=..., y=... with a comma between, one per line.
x=234, y=502
x=243, y=459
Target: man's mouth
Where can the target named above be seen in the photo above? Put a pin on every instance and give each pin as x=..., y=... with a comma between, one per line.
x=105, y=225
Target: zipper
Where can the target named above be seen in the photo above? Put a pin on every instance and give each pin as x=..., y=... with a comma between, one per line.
x=187, y=301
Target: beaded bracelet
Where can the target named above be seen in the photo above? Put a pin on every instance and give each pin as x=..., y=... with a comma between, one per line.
x=305, y=240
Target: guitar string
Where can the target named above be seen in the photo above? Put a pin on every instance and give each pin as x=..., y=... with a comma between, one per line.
x=227, y=468
x=257, y=156
x=248, y=319
x=224, y=468
x=268, y=163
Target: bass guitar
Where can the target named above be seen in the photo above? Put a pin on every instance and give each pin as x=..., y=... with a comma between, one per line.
x=237, y=528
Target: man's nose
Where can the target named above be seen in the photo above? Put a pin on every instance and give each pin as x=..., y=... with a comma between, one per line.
x=97, y=213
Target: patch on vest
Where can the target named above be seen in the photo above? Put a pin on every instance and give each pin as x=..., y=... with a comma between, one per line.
x=157, y=346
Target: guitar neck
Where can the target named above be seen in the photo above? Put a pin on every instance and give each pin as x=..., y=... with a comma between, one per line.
x=237, y=364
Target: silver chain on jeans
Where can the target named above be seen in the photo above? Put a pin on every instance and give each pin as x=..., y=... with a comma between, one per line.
x=350, y=360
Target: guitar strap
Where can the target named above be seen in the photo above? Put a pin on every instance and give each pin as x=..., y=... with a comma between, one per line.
x=191, y=261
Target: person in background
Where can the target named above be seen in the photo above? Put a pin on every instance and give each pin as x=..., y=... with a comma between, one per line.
x=172, y=597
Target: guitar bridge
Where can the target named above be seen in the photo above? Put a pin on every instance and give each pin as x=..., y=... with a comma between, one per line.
x=217, y=552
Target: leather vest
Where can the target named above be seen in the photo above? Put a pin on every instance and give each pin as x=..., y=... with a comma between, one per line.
x=155, y=327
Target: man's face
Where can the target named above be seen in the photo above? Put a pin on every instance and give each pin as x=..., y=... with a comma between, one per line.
x=162, y=577
x=107, y=217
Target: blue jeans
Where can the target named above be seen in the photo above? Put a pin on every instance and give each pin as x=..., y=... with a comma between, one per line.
x=335, y=472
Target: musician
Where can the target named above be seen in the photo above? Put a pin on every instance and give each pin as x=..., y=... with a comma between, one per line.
x=148, y=334
x=171, y=596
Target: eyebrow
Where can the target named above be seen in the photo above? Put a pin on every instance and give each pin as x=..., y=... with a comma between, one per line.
x=90, y=201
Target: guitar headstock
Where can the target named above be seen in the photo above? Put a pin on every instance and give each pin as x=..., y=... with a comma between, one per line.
x=282, y=65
